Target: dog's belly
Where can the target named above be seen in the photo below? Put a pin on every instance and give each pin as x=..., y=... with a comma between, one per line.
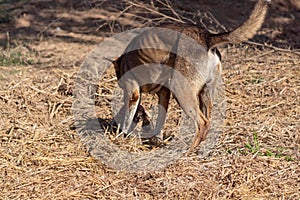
x=151, y=88
x=152, y=77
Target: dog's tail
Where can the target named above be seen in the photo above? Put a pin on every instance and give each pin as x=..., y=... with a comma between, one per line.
x=244, y=32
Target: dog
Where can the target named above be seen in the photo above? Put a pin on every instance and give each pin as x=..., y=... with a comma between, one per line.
x=191, y=82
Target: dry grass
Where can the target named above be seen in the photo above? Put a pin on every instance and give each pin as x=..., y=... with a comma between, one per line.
x=257, y=157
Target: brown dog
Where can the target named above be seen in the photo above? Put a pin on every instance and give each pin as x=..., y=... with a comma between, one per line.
x=181, y=59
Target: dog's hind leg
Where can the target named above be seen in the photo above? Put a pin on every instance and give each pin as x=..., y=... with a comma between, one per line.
x=188, y=100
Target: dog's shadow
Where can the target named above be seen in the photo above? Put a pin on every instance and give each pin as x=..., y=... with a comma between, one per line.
x=91, y=129
x=96, y=125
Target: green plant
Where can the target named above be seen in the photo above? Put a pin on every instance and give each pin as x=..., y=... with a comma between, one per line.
x=255, y=80
x=269, y=153
x=13, y=57
x=254, y=148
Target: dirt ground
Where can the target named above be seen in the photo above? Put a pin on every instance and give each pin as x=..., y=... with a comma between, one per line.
x=43, y=44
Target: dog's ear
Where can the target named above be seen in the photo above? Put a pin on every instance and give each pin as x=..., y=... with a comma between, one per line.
x=116, y=64
x=110, y=60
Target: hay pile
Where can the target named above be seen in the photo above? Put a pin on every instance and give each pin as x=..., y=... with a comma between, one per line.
x=42, y=157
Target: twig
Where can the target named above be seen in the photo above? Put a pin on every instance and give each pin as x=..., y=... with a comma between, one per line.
x=169, y=6
x=112, y=25
x=296, y=51
x=154, y=11
x=273, y=106
x=215, y=20
x=40, y=91
x=49, y=25
x=107, y=186
x=260, y=55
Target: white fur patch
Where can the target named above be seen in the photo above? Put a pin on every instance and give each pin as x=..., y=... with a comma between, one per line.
x=213, y=63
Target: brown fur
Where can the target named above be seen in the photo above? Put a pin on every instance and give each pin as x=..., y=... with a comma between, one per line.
x=196, y=96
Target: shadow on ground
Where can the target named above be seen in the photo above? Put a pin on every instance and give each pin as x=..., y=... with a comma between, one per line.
x=90, y=21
